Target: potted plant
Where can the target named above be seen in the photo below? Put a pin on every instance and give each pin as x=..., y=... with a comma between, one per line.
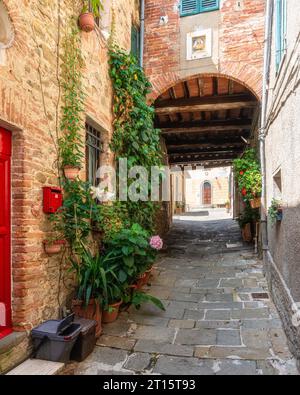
x=246, y=221
x=71, y=172
x=112, y=312
x=275, y=211
x=93, y=273
x=53, y=246
x=90, y=11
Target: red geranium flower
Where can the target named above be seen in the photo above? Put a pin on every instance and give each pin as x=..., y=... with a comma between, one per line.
x=244, y=191
x=241, y=173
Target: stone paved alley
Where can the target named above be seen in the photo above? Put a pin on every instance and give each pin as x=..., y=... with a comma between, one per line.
x=216, y=322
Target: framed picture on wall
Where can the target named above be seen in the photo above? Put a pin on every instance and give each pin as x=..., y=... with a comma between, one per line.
x=199, y=44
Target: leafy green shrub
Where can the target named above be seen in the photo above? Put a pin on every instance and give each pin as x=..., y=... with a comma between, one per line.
x=131, y=248
x=248, y=174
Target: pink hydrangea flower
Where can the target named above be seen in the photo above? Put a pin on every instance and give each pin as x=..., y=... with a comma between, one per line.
x=156, y=243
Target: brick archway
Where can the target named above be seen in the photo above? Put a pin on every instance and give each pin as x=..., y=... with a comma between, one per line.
x=249, y=79
x=205, y=119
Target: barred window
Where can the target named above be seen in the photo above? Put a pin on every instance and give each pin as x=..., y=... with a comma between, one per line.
x=93, y=153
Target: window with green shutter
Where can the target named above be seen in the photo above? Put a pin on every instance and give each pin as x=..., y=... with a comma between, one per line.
x=192, y=7
x=281, y=27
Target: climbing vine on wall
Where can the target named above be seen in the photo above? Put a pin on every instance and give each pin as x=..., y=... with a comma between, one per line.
x=70, y=144
x=135, y=137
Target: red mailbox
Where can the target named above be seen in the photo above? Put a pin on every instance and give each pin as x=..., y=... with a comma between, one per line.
x=52, y=199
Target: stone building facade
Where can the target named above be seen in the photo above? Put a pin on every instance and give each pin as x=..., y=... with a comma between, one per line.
x=237, y=29
x=283, y=164
x=30, y=98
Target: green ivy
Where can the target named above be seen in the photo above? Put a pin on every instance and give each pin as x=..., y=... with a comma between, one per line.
x=248, y=175
x=135, y=137
x=70, y=144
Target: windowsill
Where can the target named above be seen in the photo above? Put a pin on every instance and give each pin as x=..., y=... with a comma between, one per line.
x=199, y=13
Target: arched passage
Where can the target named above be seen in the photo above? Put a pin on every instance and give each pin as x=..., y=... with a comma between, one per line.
x=206, y=120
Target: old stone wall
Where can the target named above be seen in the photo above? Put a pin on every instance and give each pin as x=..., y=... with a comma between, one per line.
x=30, y=98
x=237, y=43
x=283, y=173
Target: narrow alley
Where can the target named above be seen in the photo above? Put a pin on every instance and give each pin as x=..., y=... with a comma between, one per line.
x=218, y=319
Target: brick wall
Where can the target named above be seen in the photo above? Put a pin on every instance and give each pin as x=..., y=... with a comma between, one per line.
x=239, y=44
x=29, y=99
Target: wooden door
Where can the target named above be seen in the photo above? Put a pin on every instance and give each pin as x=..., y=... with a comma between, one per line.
x=207, y=194
x=5, y=233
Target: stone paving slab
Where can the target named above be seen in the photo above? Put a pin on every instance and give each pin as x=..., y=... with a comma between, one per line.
x=212, y=324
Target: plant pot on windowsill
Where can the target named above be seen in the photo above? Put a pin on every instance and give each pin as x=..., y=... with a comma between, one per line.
x=279, y=215
x=87, y=22
x=255, y=203
x=71, y=172
x=53, y=247
x=112, y=313
x=91, y=312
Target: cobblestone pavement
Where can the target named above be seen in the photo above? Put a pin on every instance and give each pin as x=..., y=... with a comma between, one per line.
x=218, y=320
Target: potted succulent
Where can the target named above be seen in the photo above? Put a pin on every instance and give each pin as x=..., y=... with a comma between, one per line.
x=275, y=211
x=90, y=11
x=53, y=246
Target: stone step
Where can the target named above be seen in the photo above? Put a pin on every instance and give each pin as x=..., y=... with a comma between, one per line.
x=37, y=367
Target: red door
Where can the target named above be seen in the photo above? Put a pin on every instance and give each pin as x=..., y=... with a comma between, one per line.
x=5, y=232
x=207, y=194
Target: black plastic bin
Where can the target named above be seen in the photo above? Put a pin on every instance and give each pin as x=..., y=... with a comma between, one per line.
x=86, y=340
x=54, y=340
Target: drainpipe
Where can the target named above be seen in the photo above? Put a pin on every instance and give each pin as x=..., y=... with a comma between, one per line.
x=142, y=34
x=262, y=137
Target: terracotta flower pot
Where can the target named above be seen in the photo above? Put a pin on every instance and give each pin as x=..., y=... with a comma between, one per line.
x=247, y=233
x=53, y=248
x=109, y=317
x=91, y=312
x=87, y=22
x=255, y=203
x=71, y=172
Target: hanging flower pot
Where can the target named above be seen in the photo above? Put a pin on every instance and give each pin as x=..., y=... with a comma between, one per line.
x=87, y=22
x=71, y=172
x=53, y=247
x=255, y=203
x=112, y=313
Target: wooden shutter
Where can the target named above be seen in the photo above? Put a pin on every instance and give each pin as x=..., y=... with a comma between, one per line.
x=189, y=7
x=209, y=5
